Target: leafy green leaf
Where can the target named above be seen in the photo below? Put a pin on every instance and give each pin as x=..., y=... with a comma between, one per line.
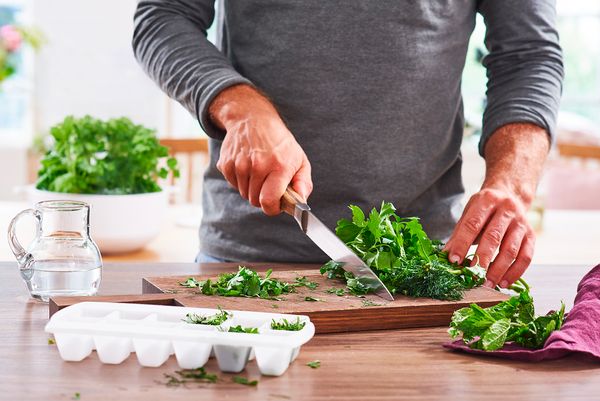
x=511, y=320
x=495, y=336
x=314, y=364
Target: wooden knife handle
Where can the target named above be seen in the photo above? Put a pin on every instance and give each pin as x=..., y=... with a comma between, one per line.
x=289, y=200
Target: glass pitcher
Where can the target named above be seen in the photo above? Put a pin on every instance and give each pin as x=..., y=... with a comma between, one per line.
x=62, y=258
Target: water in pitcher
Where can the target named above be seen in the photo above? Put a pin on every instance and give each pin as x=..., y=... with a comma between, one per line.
x=57, y=277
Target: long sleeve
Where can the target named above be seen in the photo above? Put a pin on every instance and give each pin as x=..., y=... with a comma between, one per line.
x=169, y=40
x=524, y=64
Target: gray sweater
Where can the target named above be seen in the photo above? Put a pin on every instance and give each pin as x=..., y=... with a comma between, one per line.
x=370, y=89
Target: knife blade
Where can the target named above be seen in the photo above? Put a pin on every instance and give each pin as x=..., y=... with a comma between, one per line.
x=324, y=238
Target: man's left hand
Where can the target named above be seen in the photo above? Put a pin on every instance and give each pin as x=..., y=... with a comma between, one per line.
x=495, y=218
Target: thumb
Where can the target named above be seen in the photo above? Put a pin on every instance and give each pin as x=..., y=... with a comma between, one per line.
x=302, y=181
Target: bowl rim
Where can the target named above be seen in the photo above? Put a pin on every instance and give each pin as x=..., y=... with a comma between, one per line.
x=33, y=189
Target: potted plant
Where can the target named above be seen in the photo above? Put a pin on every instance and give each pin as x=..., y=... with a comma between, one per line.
x=114, y=166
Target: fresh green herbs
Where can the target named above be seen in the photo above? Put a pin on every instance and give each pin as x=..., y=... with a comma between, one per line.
x=240, y=329
x=199, y=375
x=213, y=320
x=337, y=291
x=244, y=381
x=511, y=320
x=286, y=325
x=244, y=283
x=51, y=341
x=314, y=364
x=115, y=157
x=311, y=299
x=402, y=255
x=304, y=282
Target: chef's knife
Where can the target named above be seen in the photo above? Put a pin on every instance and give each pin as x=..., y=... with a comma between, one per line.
x=324, y=238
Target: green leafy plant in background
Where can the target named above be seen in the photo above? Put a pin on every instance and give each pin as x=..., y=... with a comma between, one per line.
x=92, y=156
x=401, y=254
x=512, y=320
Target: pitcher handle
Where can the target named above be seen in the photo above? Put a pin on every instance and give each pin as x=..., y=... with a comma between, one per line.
x=23, y=257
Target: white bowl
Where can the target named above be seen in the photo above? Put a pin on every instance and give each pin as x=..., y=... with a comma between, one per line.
x=118, y=223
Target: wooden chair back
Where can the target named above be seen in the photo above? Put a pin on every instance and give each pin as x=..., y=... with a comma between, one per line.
x=185, y=149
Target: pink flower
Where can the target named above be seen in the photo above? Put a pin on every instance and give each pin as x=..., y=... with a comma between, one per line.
x=11, y=37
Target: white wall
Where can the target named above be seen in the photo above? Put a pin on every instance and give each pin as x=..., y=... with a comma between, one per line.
x=88, y=67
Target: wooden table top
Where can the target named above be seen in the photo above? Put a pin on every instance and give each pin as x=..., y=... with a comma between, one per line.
x=382, y=365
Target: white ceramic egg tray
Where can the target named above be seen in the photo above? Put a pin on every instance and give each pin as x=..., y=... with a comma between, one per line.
x=155, y=332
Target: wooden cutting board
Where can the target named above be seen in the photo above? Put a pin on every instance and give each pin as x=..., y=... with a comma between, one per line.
x=332, y=313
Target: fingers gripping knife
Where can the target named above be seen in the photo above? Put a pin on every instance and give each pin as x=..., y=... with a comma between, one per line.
x=324, y=238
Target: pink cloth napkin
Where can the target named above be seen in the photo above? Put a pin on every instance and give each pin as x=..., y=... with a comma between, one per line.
x=580, y=333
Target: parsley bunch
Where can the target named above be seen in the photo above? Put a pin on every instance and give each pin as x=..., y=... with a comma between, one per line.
x=244, y=283
x=511, y=320
x=116, y=156
x=402, y=255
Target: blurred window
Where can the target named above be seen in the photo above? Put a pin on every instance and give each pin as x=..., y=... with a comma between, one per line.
x=16, y=91
x=579, y=30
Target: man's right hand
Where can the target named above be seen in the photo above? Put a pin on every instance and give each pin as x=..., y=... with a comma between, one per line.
x=259, y=155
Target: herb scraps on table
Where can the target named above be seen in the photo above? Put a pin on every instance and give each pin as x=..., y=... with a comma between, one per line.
x=304, y=282
x=401, y=254
x=314, y=364
x=337, y=291
x=184, y=376
x=244, y=381
x=312, y=299
x=368, y=302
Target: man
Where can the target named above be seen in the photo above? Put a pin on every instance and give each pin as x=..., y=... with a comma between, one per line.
x=355, y=102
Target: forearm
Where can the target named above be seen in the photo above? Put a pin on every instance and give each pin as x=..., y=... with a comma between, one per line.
x=241, y=103
x=170, y=42
x=524, y=65
x=514, y=157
